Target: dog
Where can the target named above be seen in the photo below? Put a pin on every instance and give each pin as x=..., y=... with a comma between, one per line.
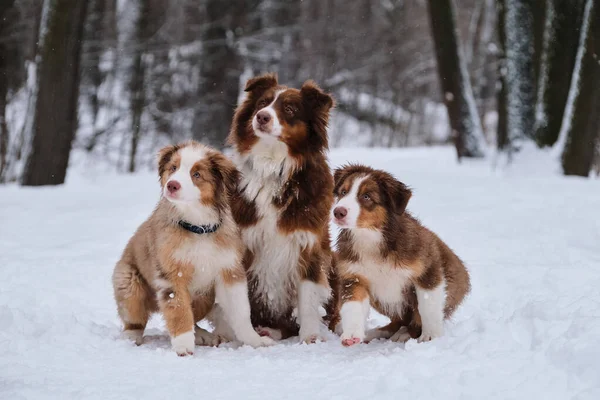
x=388, y=260
x=279, y=141
x=187, y=254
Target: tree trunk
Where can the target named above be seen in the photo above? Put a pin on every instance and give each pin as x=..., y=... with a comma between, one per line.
x=55, y=120
x=136, y=84
x=502, y=140
x=582, y=122
x=520, y=71
x=220, y=71
x=94, y=47
x=4, y=73
x=454, y=80
x=561, y=41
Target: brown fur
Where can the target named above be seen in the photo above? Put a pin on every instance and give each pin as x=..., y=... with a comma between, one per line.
x=149, y=278
x=306, y=192
x=405, y=245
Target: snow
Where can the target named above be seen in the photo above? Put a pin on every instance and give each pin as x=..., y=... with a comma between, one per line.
x=529, y=329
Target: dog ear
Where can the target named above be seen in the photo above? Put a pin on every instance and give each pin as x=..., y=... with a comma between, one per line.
x=164, y=156
x=397, y=191
x=260, y=84
x=225, y=171
x=317, y=103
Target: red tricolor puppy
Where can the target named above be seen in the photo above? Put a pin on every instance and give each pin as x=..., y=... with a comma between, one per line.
x=388, y=260
x=279, y=135
x=187, y=254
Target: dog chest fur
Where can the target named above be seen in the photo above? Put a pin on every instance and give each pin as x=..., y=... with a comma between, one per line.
x=207, y=260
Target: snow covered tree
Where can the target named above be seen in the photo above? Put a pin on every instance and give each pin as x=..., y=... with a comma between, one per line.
x=55, y=120
x=581, y=121
x=220, y=70
x=516, y=102
x=137, y=79
x=454, y=80
x=561, y=37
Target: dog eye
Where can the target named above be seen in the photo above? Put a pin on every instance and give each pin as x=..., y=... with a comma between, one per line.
x=289, y=110
x=366, y=196
x=343, y=192
x=196, y=175
x=173, y=168
x=262, y=103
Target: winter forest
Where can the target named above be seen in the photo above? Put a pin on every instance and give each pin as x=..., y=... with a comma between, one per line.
x=118, y=78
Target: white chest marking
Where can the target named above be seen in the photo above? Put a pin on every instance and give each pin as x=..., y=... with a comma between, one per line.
x=276, y=255
x=386, y=282
x=207, y=259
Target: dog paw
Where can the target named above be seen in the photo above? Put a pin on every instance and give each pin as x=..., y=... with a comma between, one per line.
x=183, y=344
x=402, y=336
x=430, y=334
x=202, y=337
x=269, y=332
x=136, y=336
x=259, y=341
x=312, y=338
x=350, y=339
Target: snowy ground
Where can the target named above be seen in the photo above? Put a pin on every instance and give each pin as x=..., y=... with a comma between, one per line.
x=530, y=329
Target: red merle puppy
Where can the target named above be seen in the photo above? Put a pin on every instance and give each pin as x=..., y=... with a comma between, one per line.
x=285, y=194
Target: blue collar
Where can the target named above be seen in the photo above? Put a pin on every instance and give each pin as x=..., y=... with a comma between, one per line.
x=199, y=229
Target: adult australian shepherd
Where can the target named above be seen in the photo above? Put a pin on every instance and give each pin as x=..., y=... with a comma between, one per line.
x=187, y=254
x=388, y=260
x=285, y=194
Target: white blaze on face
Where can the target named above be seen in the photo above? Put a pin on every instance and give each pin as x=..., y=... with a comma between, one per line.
x=274, y=128
x=188, y=193
x=351, y=204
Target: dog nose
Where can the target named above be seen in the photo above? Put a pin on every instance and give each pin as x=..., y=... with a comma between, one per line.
x=340, y=212
x=173, y=186
x=263, y=117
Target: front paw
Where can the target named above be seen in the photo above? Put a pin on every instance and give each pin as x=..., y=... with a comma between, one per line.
x=269, y=332
x=402, y=336
x=202, y=337
x=310, y=338
x=430, y=334
x=352, y=338
x=183, y=344
x=259, y=341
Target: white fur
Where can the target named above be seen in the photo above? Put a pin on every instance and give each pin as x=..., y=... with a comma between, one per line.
x=274, y=334
x=208, y=261
x=431, y=307
x=350, y=202
x=264, y=171
x=183, y=344
x=187, y=199
x=386, y=282
x=354, y=316
x=276, y=128
x=310, y=297
x=236, y=309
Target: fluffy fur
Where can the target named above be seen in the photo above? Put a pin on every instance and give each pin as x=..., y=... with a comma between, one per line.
x=389, y=260
x=166, y=268
x=279, y=136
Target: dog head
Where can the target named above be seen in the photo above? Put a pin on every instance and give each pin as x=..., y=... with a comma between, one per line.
x=367, y=198
x=272, y=113
x=196, y=179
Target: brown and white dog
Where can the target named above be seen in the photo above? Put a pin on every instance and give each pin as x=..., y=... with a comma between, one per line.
x=279, y=136
x=187, y=253
x=388, y=260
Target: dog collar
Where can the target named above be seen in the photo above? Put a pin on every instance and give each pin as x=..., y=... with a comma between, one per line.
x=199, y=229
